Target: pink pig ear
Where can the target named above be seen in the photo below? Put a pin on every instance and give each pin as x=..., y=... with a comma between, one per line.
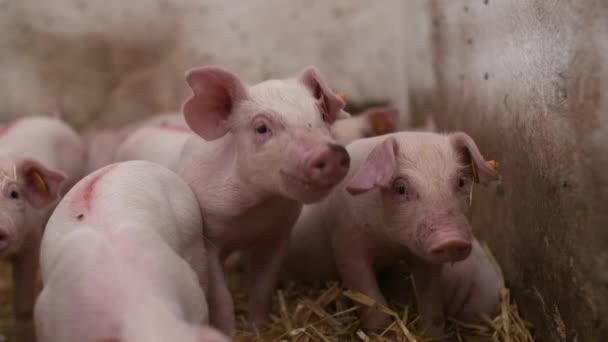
x=469, y=153
x=330, y=103
x=42, y=185
x=382, y=120
x=377, y=170
x=216, y=93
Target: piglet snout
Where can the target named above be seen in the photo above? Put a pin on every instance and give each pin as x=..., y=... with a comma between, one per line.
x=450, y=249
x=328, y=166
x=4, y=239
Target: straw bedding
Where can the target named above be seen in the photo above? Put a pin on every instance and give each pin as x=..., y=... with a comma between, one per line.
x=301, y=313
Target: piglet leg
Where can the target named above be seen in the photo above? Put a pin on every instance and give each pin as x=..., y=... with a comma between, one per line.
x=358, y=274
x=221, y=307
x=25, y=270
x=427, y=284
x=264, y=265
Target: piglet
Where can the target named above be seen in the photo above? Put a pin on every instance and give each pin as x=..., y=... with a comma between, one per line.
x=259, y=153
x=123, y=259
x=406, y=196
x=38, y=156
x=156, y=141
x=372, y=122
x=102, y=143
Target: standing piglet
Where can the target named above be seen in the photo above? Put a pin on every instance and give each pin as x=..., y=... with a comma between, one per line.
x=38, y=156
x=123, y=259
x=266, y=149
x=406, y=196
x=372, y=122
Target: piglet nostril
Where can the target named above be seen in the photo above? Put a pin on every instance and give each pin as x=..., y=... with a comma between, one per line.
x=320, y=165
x=4, y=240
x=345, y=161
x=337, y=148
x=344, y=158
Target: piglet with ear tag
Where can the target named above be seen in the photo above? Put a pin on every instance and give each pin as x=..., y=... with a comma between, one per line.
x=258, y=153
x=39, y=158
x=405, y=197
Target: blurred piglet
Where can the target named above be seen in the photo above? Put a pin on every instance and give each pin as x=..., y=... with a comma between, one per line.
x=38, y=157
x=265, y=150
x=123, y=259
x=372, y=122
x=406, y=196
x=160, y=142
x=102, y=143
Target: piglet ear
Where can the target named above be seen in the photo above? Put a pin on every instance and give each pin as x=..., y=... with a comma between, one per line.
x=330, y=103
x=382, y=120
x=377, y=170
x=42, y=185
x=216, y=94
x=469, y=154
x=342, y=114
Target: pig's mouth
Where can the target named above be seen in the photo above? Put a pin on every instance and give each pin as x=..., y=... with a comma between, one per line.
x=305, y=183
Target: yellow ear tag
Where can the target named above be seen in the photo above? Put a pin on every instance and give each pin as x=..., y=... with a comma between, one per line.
x=379, y=125
x=343, y=96
x=493, y=164
x=39, y=183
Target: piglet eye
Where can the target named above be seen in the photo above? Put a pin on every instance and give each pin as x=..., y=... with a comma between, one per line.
x=461, y=182
x=11, y=191
x=261, y=129
x=400, y=188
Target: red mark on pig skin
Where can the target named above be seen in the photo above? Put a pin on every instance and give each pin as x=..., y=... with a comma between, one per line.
x=83, y=202
x=174, y=127
x=6, y=128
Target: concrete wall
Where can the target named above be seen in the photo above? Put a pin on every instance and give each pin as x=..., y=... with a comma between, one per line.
x=113, y=60
x=529, y=81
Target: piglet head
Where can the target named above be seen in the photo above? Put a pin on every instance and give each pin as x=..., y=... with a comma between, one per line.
x=424, y=182
x=25, y=185
x=279, y=129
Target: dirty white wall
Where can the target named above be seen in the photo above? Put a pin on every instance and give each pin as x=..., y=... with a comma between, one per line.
x=528, y=80
x=113, y=60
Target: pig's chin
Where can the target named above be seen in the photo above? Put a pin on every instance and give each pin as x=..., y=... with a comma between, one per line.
x=300, y=189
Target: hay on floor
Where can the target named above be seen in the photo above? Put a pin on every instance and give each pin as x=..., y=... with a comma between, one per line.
x=306, y=314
